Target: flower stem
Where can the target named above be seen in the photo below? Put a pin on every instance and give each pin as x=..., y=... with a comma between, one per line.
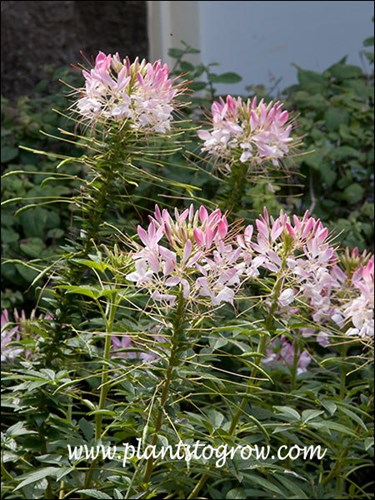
x=177, y=334
x=104, y=385
x=343, y=371
x=293, y=378
x=237, y=186
x=269, y=327
x=261, y=348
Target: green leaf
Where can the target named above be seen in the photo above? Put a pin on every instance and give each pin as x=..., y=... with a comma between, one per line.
x=99, y=266
x=369, y=42
x=330, y=406
x=368, y=443
x=354, y=193
x=259, y=480
x=186, y=67
x=89, y=291
x=289, y=412
x=334, y=426
x=34, y=222
x=292, y=487
x=345, y=71
x=236, y=493
x=334, y=117
x=229, y=77
x=216, y=418
x=18, y=429
x=94, y=494
x=87, y=428
x=353, y=416
x=176, y=53
x=311, y=414
x=8, y=154
x=196, y=86
x=328, y=174
x=9, y=236
x=309, y=80
x=26, y=272
x=37, y=476
x=32, y=247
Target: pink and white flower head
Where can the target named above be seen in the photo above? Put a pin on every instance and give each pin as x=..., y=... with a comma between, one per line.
x=248, y=132
x=9, y=334
x=359, y=312
x=189, y=253
x=298, y=252
x=283, y=352
x=13, y=332
x=129, y=348
x=139, y=93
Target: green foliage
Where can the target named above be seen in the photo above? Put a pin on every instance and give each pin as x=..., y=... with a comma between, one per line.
x=336, y=118
x=206, y=381
x=37, y=232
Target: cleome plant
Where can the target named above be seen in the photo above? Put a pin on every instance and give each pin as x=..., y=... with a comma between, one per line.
x=180, y=346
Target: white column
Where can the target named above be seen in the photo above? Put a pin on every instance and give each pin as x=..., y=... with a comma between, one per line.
x=169, y=22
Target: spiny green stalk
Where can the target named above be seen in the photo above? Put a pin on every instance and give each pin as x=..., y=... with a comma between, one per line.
x=99, y=198
x=177, y=334
x=237, y=188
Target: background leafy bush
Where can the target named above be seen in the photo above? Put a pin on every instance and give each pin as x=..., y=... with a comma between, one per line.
x=36, y=233
x=337, y=119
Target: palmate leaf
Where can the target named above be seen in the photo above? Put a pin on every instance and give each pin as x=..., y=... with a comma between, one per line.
x=37, y=475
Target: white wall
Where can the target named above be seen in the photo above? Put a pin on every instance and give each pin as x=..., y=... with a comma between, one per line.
x=261, y=40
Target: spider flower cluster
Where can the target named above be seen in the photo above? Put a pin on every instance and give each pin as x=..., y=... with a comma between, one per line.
x=13, y=333
x=281, y=352
x=248, y=132
x=299, y=253
x=139, y=93
x=359, y=310
x=187, y=254
x=9, y=334
x=195, y=253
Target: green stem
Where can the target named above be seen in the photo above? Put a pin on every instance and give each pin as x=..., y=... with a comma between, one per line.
x=293, y=378
x=103, y=389
x=177, y=334
x=261, y=348
x=237, y=187
x=343, y=371
x=270, y=328
x=198, y=487
x=104, y=385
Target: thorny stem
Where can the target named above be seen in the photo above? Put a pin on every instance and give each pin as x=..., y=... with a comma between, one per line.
x=237, y=186
x=178, y=330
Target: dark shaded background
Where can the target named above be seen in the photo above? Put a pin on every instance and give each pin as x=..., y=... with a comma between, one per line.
x=38, y=33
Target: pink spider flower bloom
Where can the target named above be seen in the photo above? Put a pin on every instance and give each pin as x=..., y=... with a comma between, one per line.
x=9, y=334
x=359, y=312
x=140, y=93
x=187, y=252
x=124, y=347
x=283, y=352
x=248, y=132
x=298, y=249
